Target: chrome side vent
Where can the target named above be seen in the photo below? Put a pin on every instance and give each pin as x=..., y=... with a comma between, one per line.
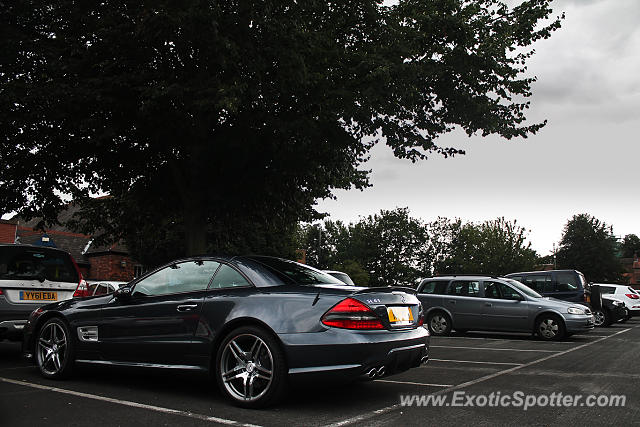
x=88, y=333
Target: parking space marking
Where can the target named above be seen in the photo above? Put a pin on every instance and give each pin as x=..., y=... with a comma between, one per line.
x=128, y=403
x=519, y=339
x=412, y=383
x=391, y=408
x=493, y=349
x=473, y=361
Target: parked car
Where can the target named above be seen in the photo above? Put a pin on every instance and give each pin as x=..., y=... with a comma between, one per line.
x=568, y=285
x=251, y=321
x=623, y=293
x=103, y=287
x=497, y=304
x=343, y=277
x=31, y=276
x=613, y=310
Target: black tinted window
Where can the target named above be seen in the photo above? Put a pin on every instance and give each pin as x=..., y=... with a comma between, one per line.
x=566, y=282
x=540, y=283
x=464, y=288
x=19, y=262
x=297, y=273
x=434, y=287
x=607, y=290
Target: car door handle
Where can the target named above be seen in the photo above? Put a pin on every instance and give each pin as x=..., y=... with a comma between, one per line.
x=187, y=307
x=452, y=301
x=488, y=304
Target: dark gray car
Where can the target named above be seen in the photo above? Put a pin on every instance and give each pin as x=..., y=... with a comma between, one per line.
x=498, y=304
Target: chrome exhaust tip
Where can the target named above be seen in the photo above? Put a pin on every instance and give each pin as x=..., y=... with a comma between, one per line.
x=424, y=359
x=381, y=371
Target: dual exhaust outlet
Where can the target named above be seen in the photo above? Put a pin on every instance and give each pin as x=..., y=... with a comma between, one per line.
x=375, y=372
x=380, y=371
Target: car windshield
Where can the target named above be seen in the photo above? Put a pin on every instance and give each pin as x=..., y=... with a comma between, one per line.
x=524, y=289
x=298, y=273
x=19, y=262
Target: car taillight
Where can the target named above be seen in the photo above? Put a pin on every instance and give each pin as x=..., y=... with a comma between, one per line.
x=351, y=314
x=82, y=290
x=633, y=296
x=0, y=291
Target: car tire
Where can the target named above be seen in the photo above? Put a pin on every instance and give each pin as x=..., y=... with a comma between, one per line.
x=439, y=323
x=602, y=318
x=550, y=327
x=250, y=368
x=55, y=349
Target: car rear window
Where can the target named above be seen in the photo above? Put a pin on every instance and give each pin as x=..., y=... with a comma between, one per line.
x=607, y=290
x=19, y=262
x=298, y=273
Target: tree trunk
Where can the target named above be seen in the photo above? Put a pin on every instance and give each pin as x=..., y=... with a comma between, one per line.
x=195, y=229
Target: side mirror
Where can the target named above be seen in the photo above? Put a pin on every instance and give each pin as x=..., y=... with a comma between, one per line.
x=123, y=293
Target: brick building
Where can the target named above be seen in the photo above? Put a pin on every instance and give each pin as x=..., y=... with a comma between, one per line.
x=109, y=263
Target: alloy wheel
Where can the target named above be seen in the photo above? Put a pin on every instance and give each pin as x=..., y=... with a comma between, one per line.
x=599, y=318
x=52, y=348
x=438, y=324
x=246, y=367
x=548, y=328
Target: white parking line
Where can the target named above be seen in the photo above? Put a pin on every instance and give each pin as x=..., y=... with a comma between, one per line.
x=473, y=361
x=128, y=403
x=493, y=349
x=412, y=383
x=369, y=415
x=520, y=338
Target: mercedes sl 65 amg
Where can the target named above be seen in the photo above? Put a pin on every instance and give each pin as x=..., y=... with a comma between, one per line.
x=254, y=322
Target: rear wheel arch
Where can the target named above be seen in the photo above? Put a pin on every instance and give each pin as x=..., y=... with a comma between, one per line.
x=235, y=324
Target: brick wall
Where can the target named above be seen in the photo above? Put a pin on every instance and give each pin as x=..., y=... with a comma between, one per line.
x=7, y=232
x=110, y=267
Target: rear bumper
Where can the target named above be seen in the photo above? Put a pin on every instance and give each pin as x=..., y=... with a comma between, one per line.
x=13, y=317
x=351, y=354
x=634, y=312
x=12, y=329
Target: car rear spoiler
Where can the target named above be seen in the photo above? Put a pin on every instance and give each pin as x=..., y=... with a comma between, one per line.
x=387, y=289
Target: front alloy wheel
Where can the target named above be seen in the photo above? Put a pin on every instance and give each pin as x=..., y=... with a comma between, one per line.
x=250, y=368
x=54, y=349
x=599, y=318
x=550, y=328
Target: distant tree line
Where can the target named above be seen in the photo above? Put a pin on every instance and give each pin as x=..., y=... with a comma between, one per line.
x=393, y=248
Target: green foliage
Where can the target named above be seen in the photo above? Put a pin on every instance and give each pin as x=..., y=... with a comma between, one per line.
x=494, y=247
x=203, y=116
x=353, y=268
x=588, y=245
x=630, y=246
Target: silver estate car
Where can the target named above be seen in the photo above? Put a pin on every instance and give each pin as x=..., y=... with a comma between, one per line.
x=498, y=304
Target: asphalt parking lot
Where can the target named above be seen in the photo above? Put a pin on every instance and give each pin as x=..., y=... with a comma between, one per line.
x=602, y=362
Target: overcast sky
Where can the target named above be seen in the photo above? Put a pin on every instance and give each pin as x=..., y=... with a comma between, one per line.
x=586, y=160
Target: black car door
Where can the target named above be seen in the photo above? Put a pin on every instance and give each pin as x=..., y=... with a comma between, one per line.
x=157, y=323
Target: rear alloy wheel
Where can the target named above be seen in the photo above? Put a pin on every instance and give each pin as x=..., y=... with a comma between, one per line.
x=54, y=349
x=439, y=323
x=250, y=368
x=550, y=328
x=602, y=318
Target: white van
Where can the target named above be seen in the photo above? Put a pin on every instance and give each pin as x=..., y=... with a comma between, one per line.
x=31, y=276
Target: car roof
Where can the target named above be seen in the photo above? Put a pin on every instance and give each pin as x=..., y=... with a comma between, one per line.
x=464, y=276
x=543, y=271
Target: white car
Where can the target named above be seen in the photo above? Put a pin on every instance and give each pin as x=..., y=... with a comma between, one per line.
x=624, y=293
x=103, y=287
x=343, y=277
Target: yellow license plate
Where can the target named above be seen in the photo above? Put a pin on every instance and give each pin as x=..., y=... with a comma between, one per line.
x=399, y=316
x=38, y=296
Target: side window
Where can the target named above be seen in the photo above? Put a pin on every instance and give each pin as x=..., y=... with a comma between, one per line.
x=499, y=290
x=540, y=283
x=101, y=289
x=178, y=278
x=228, y=277
x=464, y=288
x=436, y=287
x=566, y=282
x=607, y=290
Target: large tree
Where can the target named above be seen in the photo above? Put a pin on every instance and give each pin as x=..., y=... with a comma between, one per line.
x=630, y=246
x=493, y=247
x=590, y=246
x=198, y=117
